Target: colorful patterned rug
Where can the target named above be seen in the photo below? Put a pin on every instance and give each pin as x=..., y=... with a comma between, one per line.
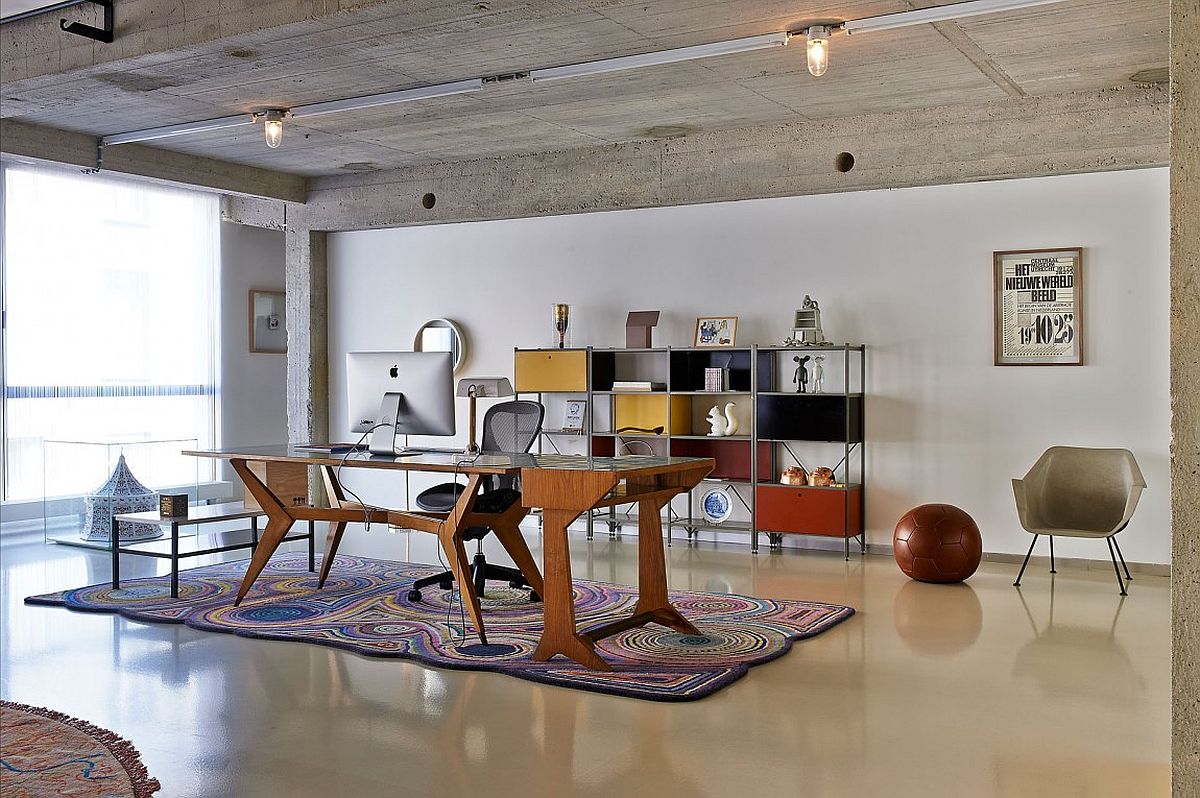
x=363, y=608
x=45, y=753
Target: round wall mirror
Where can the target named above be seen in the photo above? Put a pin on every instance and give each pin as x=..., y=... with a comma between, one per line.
x=442, y=335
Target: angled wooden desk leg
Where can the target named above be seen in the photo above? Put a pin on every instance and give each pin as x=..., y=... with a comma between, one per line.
x=337, y=498
x=559, y=634
x=652, y=571
x=279, y=521
x=508, y=531
x=450, y=536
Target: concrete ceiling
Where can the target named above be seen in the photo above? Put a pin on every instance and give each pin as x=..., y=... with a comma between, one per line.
x=1075, y=46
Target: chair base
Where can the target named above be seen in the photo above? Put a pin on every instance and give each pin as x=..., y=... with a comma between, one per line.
x=481, y=572
x=1114, y=551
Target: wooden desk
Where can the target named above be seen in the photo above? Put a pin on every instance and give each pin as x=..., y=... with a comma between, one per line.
x=564, y=486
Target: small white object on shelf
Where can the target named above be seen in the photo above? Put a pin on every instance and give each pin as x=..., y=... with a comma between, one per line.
x=722, y=425
x=574, y=413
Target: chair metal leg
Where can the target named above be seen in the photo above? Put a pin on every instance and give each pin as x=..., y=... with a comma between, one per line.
x=1027, y=555
x=1116, y=570
x=1052, y=569
x=1117, y=546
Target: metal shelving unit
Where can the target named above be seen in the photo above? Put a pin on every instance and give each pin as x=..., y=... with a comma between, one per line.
x=677, y=361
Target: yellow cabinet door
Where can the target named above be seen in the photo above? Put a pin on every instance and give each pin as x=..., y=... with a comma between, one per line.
x=540, y=371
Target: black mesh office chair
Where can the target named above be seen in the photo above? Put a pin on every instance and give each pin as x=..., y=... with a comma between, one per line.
x=509, y=427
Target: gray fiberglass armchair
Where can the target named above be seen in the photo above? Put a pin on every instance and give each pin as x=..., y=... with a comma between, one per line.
x=1079, y=493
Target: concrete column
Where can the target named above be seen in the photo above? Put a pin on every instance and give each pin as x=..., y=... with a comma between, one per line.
x=1185, y=393
x=306, y=283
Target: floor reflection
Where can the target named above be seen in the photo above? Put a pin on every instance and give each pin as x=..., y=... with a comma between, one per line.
x=962, y=690
x=1101, y=667
x=937, y=620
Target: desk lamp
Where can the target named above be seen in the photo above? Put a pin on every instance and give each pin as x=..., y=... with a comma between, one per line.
x=475, y=387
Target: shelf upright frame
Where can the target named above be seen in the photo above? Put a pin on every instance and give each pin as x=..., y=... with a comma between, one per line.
x=846, y=448
x=754, y=386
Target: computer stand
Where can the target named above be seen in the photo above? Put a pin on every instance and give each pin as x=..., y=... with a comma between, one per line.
x=383, y=436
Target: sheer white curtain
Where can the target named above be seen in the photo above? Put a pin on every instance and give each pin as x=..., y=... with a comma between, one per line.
x=111, y=296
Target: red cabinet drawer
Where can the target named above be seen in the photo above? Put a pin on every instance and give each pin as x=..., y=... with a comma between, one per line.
x=809, y=511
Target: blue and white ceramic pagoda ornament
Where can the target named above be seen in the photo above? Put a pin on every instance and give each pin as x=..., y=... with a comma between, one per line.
x=122, y=493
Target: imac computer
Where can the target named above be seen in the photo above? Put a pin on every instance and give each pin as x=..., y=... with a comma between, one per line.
x=400, y=393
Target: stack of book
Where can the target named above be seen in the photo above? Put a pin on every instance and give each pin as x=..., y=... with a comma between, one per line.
x=638, y=385
x=714, y=380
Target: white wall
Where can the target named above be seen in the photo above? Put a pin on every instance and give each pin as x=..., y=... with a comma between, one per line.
x=253, y=385
x=907, y=271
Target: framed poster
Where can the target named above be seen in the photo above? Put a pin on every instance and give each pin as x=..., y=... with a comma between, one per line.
x=268, y=333
x=1038, y=307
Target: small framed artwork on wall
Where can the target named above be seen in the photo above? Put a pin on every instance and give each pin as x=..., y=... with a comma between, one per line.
x=1038, y=307
x=716, y=331
x=268, y=330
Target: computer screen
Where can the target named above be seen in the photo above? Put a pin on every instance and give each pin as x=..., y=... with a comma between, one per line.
x=424, y=381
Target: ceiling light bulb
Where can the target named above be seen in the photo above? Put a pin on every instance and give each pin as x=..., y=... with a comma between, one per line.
x=273, y=127
x=818, y=50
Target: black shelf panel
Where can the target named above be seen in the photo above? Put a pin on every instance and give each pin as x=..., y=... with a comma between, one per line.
x=688, y=365
x=810, y=417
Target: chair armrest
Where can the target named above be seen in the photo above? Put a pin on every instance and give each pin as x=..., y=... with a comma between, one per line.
x=1131, y=502
x=1024, y=511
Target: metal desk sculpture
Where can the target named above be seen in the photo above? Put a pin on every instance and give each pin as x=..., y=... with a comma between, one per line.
x=806, y=327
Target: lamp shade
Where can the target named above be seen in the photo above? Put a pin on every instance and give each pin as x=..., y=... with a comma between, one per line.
x=485, y=386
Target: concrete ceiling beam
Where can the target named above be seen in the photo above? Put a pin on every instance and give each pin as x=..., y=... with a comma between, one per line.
x=150, y=31
x=60, y=146
x=1018, y=137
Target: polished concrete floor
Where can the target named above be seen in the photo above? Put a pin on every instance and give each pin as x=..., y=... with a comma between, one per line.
x=1059, y=689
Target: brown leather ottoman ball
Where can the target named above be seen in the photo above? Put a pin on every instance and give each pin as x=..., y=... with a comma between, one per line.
x=937, y=543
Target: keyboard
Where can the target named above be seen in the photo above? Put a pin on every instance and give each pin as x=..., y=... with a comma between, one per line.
x=432, y=450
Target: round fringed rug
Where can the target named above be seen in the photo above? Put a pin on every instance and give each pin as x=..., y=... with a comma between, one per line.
x=45, y=753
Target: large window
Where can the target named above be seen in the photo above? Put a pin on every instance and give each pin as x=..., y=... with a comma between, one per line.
x=110, y=335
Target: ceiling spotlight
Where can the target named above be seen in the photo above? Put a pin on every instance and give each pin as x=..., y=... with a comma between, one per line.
x=818, y=49
x=273, y=126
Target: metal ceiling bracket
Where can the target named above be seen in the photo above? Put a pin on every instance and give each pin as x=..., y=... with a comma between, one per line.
x=104, y=34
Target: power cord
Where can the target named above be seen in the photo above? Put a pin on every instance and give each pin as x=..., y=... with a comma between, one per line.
x=337, y=474
x=458, y=463
x=462, y=611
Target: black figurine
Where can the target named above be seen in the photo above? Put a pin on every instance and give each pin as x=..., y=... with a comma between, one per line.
x=801, y=375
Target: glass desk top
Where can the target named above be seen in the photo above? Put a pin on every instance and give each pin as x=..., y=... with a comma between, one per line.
x=485, y=462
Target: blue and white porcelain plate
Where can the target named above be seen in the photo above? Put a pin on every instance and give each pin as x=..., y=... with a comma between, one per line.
x=716, y=506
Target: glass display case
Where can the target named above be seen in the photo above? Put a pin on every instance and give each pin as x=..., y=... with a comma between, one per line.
x=85, y=482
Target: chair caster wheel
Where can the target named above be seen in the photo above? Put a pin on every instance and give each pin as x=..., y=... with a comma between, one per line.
x=446, y=585
x=414, y=595
x=534, y=597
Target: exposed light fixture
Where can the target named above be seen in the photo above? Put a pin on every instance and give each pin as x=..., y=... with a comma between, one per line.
x=938, y=14
x=273, y=126
x=313, y=109
x=818, y=49
x=660, y=57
